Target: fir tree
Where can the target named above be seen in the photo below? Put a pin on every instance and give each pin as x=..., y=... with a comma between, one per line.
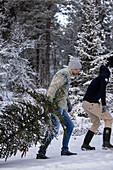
x=15, y=69
x=92, y=52
x=90, y=46
x=24, y=123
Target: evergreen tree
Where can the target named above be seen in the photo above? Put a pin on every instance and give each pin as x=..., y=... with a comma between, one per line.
x=15, y=70
x=65, y=33
x=92, y=52
x=53, y=42
x=34, y=45
x=25, y=123
x=90, y=46
x=106, y=19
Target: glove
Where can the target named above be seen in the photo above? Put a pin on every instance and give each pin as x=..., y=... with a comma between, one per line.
x=69, y=107
x=103, y=109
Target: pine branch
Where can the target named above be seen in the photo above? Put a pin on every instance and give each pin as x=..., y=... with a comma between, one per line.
x=23, y=124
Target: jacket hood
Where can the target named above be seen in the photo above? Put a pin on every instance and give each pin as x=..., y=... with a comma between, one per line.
x=104, y=72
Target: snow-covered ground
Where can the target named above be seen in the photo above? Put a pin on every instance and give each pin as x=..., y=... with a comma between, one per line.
x=84, y=160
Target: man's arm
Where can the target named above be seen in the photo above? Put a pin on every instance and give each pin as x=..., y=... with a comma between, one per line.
x=56, y=83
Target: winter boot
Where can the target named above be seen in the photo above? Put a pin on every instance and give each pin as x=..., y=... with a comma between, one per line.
x=41, y=156
x=67, y=153
x=106, y=139
x=87, y=140
x=42, y=152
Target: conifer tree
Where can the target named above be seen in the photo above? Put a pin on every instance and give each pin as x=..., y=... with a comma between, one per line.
x=106, y=19
x=92, y=51
x=24, y=123
x=15, y=69
x=90, y=46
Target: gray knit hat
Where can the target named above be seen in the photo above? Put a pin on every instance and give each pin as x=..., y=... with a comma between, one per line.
x=74, y=63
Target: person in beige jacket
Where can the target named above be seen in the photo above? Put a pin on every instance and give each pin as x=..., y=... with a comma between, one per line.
x=61, y=82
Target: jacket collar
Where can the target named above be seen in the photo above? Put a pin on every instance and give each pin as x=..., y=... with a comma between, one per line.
x=70, y=71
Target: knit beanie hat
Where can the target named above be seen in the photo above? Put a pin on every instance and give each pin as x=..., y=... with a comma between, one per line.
x=74, y=63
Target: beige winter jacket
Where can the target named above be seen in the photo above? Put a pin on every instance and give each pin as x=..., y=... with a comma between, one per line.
x=60, y=83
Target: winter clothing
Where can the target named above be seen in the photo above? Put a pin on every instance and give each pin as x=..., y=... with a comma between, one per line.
x=67, y=153
x=60, y=86
x=58, y=91
x=87, y=140
x=103, y=109
x=88, y=137
x=107, y=145
x=85, y=147
x=91, y=104
x=74, y=63
x=97, y=88
x=94, y=111
x=41, y=156
x=47, y=140
x=106, y=134
x=69, y=128
x=106, y=138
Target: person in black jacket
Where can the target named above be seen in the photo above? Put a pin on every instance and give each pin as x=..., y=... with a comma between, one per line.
x=97, y=110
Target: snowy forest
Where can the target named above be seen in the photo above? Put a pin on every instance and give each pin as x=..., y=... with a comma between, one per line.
x=36, y=39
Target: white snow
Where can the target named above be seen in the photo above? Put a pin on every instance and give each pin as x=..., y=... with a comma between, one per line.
x=84, y=160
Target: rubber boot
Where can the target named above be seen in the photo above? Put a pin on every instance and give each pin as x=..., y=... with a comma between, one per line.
x=87, y=140
x=106, y=139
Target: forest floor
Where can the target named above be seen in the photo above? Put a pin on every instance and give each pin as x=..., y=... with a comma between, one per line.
x=84, y=160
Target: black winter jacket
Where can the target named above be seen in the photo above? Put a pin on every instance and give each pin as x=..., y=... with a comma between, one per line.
x=97, y=88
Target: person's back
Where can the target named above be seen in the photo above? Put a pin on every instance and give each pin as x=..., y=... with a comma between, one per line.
x=97, y=88
x=97, y=110
x=93, y=92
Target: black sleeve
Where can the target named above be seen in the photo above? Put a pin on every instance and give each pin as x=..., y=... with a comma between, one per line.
x=103, y=84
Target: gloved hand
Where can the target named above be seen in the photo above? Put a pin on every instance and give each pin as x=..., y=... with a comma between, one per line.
x=69, y=107
x=103, y=108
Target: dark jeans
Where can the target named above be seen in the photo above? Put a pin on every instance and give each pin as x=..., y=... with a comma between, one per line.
x=66, y=137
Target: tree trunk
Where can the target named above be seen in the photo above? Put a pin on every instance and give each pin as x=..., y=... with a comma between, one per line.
x=48, y=46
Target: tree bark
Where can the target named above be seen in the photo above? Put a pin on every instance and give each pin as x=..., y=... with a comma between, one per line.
x=48, y=23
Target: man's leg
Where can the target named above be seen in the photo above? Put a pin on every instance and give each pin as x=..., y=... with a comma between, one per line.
x=96, y=109
x=95, y=124
x=106, y=139
x=67, y=134
x=47, y=140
